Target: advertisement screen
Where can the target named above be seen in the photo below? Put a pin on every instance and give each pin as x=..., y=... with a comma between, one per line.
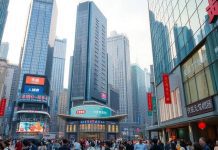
x=33, y=89
x=35, y=80
x=2, y=107
x=90, y=111
x=31, y=127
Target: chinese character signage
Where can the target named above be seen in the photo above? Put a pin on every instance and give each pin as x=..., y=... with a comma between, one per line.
x=33, y=89
x=2, y=107
x=200, y=107
x=35, y=80
x=166, y=86
x=212, y=10
x=149, y=98
x=154, y=105
x=90, y=111
x=33, y=98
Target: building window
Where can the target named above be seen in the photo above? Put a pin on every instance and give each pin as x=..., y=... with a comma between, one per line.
x=173, y=110
x=197, y=77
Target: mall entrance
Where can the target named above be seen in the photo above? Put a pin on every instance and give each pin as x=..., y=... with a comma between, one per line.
x=92, y=135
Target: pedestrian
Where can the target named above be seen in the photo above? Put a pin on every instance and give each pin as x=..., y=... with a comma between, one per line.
x=77, y=145
x=129, y=145
x=171, y=145
x=160, y=145
x=56, y=145
x=7, y=145
x=92, y=146
x=202, y=142
x=154, y=145
x=197, y=146
x=65, y=145
x=140, y=146
x=42, y=146
x=18, y=145
x=189, y=145
x=182, y=145
x=216, y=145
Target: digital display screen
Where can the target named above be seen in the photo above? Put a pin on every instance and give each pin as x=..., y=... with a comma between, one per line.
x=35, y=80
x=31, y=127
x=33, y=89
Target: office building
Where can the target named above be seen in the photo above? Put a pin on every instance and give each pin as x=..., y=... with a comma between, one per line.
x=113, y=98
x=32, y=106
x=138, y=94
x=4, y=48
x=119, y=71
x=57, y=78
x=89, y=67
x=62, y=109
x=3, y=16
x=185, y=52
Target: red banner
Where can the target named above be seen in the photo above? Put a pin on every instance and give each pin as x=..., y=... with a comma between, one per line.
x=2, y=107
x=149, y=97
x=166, y=86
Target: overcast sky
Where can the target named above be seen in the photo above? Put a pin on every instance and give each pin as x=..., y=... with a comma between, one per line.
x=124, y=16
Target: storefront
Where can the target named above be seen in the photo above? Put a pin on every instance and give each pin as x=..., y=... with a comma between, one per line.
x=92, y=122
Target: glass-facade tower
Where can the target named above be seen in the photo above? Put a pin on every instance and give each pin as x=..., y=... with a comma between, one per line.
x=36, y=60
x=3, y=16
x=89, y=67
x=185, y=46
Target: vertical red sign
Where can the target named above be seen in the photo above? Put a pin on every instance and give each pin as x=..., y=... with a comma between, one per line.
x=212, y=10
x=166, y=86
x=149, y=97
x=2, y=107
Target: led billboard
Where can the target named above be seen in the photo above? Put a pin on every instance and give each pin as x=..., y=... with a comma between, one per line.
x=33, y=89
x=31, y=127
x=35, y=80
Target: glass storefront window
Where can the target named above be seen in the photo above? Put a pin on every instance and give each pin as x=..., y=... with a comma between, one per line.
x=202, y=85
x=193, y=89
x=187, y=93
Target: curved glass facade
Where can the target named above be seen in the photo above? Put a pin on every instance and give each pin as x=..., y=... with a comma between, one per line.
x=178, y=26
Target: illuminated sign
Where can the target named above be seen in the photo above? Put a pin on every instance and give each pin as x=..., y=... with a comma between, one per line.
x=103, y=95
x=2, y=107
x=92, y=122
x=31, y=127
x=212, y=10
x=91, y=111
x=166, y=86
x=80, y=112
x=35, y=80
x=33, y=89
x=31, y=97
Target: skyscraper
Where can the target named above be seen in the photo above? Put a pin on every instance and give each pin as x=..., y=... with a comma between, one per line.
x=185, y=52
x=119, y=74
x=89, y=69
x=57, y=78
x=4, y=47
x=138, y=95
x=3, y=16
x=35, y=66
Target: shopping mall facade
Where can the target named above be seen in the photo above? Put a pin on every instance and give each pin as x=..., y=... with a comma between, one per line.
x=184, y=36
x=92, y=120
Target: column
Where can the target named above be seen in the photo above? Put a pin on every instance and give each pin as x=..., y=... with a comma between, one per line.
x=190, y=133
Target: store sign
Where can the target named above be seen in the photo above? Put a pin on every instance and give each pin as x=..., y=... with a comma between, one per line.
x=91, y=111
x=92, y=122
x=35, y=80
x=33, y=98
x=2, y=107
x=33, y=89
x=149, y=97
x=166, y=86
x=212, y=10
x=200, y=107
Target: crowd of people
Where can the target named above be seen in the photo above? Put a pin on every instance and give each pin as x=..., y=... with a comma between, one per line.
x=85, y=144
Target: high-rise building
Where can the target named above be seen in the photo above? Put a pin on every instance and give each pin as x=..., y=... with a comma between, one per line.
x=3, y=16
x=119, y=71
x=4, y=47
x=138, y=95
x=57, y=78
x=62, y=109
x=185, y=52
x=89, y=68
x=32, y=108
x=11, y=82
x=113, y=98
